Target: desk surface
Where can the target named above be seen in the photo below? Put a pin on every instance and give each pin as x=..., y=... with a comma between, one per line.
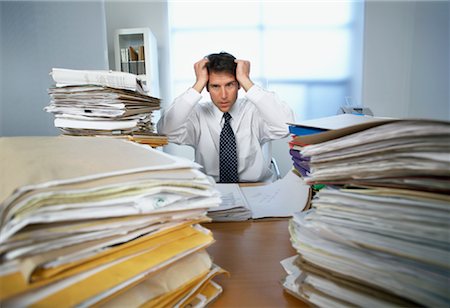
x=251, y=252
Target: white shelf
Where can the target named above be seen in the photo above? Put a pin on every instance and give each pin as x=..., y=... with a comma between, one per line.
x=146, y=69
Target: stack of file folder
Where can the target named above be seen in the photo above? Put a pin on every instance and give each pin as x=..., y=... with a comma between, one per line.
x=102, y=221
x=322, y=129
x=87, y=103
x=378, y=233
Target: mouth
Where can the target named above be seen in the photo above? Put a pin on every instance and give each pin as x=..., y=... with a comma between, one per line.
x=224, y=106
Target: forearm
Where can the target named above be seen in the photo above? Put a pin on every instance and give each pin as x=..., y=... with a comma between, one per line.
x=243, y=74
x=199, y=85
x=246, y=84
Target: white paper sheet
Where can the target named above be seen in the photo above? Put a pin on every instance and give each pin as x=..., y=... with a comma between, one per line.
x=278, y=199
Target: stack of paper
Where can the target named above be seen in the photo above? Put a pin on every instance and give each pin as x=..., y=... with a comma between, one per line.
x=378, y=234
x=101, y=221
x=281, y=198
x=100, y=103
x=152, y=140
x=322, y=129
x=234, y=205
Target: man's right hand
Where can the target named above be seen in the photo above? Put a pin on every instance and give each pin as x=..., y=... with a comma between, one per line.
x=201, y=73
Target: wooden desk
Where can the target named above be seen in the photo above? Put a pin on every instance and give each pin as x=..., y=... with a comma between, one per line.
x=251, y=252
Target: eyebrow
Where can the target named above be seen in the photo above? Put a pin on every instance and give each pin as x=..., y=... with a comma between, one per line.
x=217, y=85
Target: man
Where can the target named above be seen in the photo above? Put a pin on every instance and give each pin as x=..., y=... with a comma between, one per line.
x=255, y=119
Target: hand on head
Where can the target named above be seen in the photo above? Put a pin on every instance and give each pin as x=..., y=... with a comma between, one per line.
x=243, y=74
x=201, y=74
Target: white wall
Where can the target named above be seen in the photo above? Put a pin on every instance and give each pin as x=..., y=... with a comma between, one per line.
x=142, y=14
x=279, y=147
x=406, y=59
x=35, y=37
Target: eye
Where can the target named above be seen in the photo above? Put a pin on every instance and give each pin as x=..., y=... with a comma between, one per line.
x=231, y=85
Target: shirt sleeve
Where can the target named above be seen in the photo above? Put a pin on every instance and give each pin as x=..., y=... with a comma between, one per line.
x=174, y=121
x=274, y=112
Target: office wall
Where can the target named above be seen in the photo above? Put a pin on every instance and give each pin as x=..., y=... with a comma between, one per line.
x=35, y=37
x=2, y=90
x=154, y=15
x=142, y=14
x=406, y=59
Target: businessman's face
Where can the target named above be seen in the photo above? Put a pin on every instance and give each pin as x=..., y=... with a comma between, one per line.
x=223, y=88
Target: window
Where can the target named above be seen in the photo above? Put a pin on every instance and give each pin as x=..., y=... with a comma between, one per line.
x=305, y=51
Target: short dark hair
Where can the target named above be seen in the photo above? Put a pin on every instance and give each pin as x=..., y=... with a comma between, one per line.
x=221, y=62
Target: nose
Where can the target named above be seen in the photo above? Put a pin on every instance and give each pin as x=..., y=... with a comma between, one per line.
x=223, y=92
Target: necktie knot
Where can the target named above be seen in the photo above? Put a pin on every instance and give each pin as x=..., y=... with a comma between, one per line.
x=227, y=117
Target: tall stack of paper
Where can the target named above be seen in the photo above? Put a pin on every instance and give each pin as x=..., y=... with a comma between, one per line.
x=378, y=234
x=101, y=103
x=102, y=221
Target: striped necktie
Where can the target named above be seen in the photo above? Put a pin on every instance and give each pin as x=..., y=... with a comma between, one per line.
x=228, y=172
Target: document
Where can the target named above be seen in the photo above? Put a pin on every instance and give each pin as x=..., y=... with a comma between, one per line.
x=281, y=198
x=233, y=206
x=164, y=282
x=87, y=161
x=401, y=152
x=327, y=128
x=125, y=270
x=377, y=233
x=100, y=103
x=92, y=124
x=336, y=122
x=95, y=217
x=121, y=80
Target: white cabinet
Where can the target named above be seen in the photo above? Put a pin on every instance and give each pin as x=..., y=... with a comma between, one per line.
x=136, y=52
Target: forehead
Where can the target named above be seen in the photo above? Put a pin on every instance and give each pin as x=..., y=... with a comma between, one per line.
x=221, y=78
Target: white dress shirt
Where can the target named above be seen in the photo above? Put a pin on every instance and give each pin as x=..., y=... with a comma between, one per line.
x=256, y=119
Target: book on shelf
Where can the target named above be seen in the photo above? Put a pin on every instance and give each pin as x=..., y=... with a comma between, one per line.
x=124, y=60
x=124, y=55
x=141, y=53
x=133, y=60
x=133, y=53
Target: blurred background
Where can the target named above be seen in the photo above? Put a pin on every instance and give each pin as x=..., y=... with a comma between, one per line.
x=389, y=56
